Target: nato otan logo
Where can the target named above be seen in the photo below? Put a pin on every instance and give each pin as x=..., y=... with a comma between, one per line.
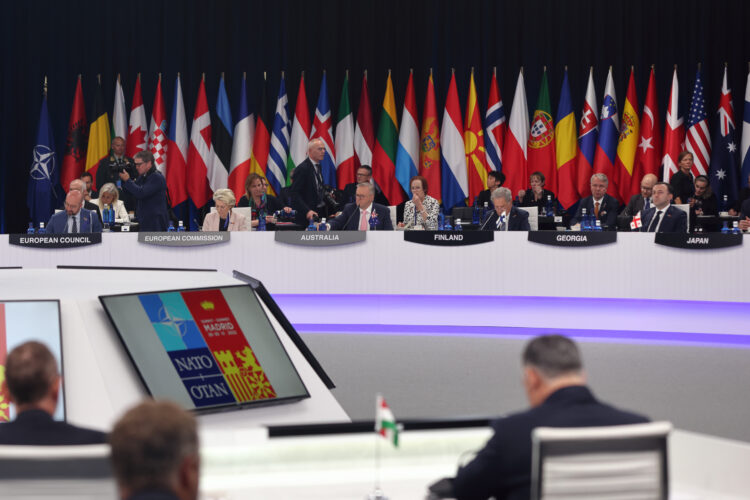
x=43, y=165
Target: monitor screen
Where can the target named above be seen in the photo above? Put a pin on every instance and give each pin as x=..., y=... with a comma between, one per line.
x=207, y=349
x=24, y=320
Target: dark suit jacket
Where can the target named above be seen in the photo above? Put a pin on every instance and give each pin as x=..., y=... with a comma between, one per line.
x=503, y=467
x=109, y=171
x=529, y=201
x=518, y=220
x=607, y=211
x=150, y=192
x=304, y=193
x=635, y=205
x=745, y=212
x=36, y=427
x=348, y=219
x=94, y=208
x=350, y=190
x=674, y=220
x=90, y=223
x=484, y=197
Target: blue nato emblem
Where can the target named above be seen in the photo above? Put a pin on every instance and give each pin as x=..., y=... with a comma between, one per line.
x=172, y=321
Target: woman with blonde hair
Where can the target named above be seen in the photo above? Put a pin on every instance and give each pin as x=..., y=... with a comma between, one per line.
x=224, y=219
x=109, y=195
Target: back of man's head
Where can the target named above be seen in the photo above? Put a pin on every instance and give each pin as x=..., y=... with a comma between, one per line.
x=30, y=372
x=553, y=356
x=155, y=447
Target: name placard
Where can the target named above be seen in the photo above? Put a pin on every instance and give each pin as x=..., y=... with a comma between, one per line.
x=320, y=238
x=449, y=238
x=55, y=240
x=183, y=239
x=573, y=238
x=705, y=241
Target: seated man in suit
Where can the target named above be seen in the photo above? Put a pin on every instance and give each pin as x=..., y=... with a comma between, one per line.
x=80, y=185
x=155, y=453
x=641, y=201
x=495, y=179
x=603, y=206
x=75, y=218
x=556, y=388
x=364, y=174
x=506, y=217
x=663, y=217
x=33, y=383
x=357, y=216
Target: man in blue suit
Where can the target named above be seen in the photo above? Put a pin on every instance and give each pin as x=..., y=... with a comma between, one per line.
x=556, y=388
x=75, y=218
x=149, y=191
x=358, y=215
x=663, y=217
x=603, y=206
x=506, y=217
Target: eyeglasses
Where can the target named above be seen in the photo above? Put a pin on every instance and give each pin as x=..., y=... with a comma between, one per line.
x=139, y=163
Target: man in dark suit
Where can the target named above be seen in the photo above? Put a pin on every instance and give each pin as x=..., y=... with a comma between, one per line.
x=495, y=179
x=307, y=184
x=150, y=192
x=663, y=217
x=33, y=383
x=358, y=215
x=555, y=386
x=110, y=167
x=641, y=201
x=75, y=218
x=603, y=206
x=745, y=216
x=506, y=217
x=155, y=453
x=364, y=174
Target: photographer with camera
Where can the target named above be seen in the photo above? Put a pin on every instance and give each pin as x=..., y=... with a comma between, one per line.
x=109, y=171
x=310, y=196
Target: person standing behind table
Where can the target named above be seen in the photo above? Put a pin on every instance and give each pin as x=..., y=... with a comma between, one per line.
x=422, y=209
x=663, y=217
x=224, y=219
x=75, y=218
x=307, y=184
x=109, y=195
x=357, y=216
x=495, y=180
x=110, y=167
x=505, y=217
x=682, y=181
x=258, y=200
x=603, y=206
x=149, y=191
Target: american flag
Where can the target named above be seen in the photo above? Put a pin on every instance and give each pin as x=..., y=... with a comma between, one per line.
x=697, y=139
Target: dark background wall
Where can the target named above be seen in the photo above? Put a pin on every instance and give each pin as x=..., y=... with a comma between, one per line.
x=61, y=39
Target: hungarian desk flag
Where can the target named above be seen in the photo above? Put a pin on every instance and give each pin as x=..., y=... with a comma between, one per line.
x=42, y=197
x=385, y=422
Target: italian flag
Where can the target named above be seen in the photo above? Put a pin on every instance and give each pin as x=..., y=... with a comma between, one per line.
x=385, y=422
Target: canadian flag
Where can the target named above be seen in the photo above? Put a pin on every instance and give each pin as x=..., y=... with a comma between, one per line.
x=138, y=131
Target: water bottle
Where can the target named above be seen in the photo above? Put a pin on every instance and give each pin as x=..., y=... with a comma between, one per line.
x=105, y=217
x=447, y=226
x=475, y=214
x=42, y=230
x=485, y=211
x=725, y=228
x=585, y=221
x=321, y=227
x=180, y=226
x=310, y=227
x=549, y=209
x=30, y=230
x=112, y=215
x=171, y=226
x=262, y=220
x=736, y=228
x=458, y=226
x=441, y=221
x=597, y=226
x=724, y=204
x=374, y=221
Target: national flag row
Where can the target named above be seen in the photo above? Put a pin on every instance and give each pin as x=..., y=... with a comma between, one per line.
x=455, y=156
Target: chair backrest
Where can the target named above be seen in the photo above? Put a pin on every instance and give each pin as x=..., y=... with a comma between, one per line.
x=67, y=472
x=685, y=208
x=533, y=217
x=614, y=462
x=463, y=213
x=392, y=212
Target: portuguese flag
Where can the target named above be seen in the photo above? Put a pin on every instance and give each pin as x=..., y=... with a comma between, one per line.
x=541, y=145
x=386, y=145
x=99, y=135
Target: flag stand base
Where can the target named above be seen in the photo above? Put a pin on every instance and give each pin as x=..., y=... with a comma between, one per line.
x=376, y=494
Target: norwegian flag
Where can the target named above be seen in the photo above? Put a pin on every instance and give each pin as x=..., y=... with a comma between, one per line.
x=697, y=140
x=137, y=133
x=157, y=139
x=635, y=224
x=674, y=132
x=494, y=124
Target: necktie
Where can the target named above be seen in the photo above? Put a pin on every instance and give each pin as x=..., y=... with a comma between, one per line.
x=646, y=203
x=655, y=222
x=319, y=181
x=596, y=209
x=363, y=221
x=73, y=225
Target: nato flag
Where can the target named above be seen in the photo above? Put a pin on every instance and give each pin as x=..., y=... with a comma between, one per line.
x=42, y=197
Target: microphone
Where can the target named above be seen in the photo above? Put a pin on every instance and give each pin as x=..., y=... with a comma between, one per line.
x=486, y=221
x=356, y=210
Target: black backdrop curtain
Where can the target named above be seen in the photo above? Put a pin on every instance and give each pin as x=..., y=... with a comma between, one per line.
x=61, y=39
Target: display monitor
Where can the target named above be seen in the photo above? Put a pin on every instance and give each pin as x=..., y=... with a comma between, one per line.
x=208, y=349
x=24, y=320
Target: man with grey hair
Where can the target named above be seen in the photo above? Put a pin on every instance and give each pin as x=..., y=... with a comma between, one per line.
x=364, y=214
x=555, y=387
x=155, y=453
x=506, y=217
x=80, y=185
x=149, y=191
x=308, y=188
x=602, y=206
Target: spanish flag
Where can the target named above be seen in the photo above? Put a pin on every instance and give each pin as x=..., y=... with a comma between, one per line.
x=627, y=144
x=99, y=135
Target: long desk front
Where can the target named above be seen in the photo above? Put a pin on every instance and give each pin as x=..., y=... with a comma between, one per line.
x=510, y=265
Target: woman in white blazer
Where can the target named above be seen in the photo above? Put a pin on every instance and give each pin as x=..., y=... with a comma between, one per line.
x=108, y=195
x=224, y=219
